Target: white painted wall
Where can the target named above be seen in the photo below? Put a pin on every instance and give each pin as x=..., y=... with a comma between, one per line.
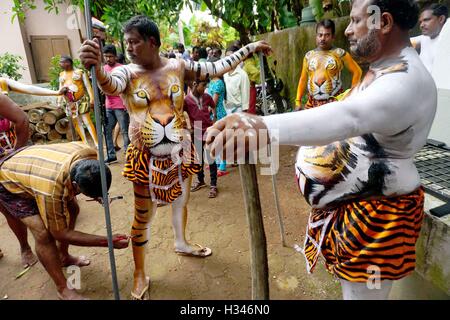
x=39, y=22
x=12, y=41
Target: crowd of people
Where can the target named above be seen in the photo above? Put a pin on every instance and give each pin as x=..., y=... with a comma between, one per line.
x=356, y=172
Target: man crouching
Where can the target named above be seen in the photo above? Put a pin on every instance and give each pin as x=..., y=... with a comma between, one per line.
x=38, y=186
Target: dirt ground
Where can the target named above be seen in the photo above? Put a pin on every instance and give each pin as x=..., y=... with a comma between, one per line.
x=217, y=223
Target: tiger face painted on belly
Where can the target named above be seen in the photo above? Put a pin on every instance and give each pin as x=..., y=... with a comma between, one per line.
x=156, y=112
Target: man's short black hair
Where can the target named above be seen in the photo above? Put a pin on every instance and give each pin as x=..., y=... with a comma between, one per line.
x=195, y=48
x=146, y=28
x=437, y=9
x=202, y=53
x=86, y=173
x=232, y=48
x=66, y=58
x=327, y=24
x=180, y=46
x=110, y=48
x=405, y=12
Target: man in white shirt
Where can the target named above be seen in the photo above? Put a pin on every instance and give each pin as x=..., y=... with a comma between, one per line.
x=432, y=20
x=237, y=87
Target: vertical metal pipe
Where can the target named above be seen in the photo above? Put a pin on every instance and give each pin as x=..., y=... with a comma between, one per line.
x=98, y=125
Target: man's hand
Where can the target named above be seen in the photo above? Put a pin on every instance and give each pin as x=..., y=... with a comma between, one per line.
x=90, y=54
x=263, y=46
x=120, y=241
x=236, y=135
x=63, y=91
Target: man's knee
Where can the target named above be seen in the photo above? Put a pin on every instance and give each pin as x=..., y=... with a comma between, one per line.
x=42, y=236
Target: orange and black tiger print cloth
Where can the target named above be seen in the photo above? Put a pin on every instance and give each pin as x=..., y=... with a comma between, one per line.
x=359, y=235
x=165, y=185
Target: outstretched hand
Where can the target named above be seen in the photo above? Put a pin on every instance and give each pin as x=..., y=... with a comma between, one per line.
x=263, y=46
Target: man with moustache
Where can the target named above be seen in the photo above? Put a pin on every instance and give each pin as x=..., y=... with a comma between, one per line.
x=355, y=165
x=322, y=68
x=432, y=21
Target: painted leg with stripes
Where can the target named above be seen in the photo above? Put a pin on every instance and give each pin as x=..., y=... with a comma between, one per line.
x=144, y=211
x=179, y=222
x=90, y=127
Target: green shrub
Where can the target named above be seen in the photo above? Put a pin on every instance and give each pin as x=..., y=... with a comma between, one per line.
x=10, y=66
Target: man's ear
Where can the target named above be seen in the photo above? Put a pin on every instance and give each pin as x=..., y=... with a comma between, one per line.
x=442, y=20
x=386, y=22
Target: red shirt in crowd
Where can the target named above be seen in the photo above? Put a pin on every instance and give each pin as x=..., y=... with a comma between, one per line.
x=198, y=111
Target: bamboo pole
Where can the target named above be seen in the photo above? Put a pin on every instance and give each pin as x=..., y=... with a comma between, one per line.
x=258, y=246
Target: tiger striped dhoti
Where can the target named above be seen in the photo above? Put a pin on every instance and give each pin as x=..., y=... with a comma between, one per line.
x=359, y=237
x=166, y=175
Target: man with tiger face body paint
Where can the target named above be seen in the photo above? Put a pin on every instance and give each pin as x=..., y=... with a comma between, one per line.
x=355, y=164
x=160, y=158
x=322, y=68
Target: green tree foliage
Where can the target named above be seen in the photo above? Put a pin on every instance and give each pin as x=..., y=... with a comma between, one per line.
x=10, y=66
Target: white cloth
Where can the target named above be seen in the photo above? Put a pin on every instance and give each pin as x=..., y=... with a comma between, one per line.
x=441, y=65
x=238, y=89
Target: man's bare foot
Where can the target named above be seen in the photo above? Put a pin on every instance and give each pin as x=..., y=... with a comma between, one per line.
x=28, y=258
x=141, y=285
x=68, y=294
x=80, y=261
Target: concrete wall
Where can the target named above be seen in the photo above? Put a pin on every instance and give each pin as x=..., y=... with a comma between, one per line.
x=290, y=46
x=38, y=22
x=62, y=24
x=12, y=40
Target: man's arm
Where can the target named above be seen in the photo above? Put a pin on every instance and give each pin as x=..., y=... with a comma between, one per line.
x=11, y=111
x=29, y=89
x=354, y=69
x=245, y=91
x=113, y=83
x=200, y=70
x=367, y=112
x=301, y=85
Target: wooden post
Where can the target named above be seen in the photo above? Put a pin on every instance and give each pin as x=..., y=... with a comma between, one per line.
x=258, y=247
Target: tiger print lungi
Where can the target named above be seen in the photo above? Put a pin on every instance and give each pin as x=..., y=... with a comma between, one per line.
x=357, y=236
x=166, y=176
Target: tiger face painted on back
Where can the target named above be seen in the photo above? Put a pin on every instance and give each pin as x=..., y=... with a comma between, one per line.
x=324, y=68
x=155, y=104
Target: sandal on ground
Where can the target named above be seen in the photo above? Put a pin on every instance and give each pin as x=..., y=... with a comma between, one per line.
x=203, y=252
x=144, y=293
x=197, y=186
x=213, y=192
x=221, y=173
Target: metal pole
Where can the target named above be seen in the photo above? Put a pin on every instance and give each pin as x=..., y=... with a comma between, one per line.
x=274, y=182
x=87, y=14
